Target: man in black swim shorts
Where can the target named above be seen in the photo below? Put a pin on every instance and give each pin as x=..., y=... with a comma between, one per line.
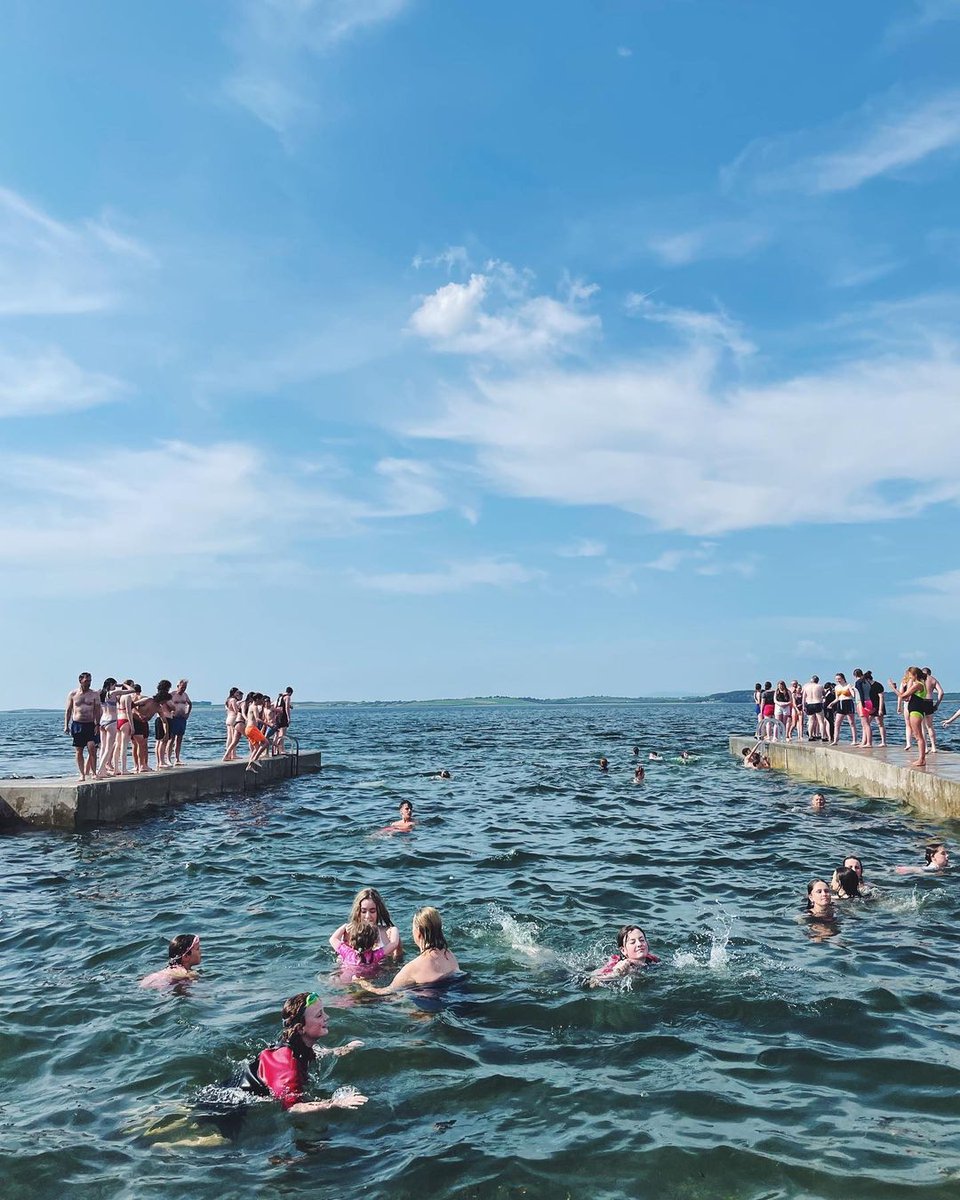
x=80, y=719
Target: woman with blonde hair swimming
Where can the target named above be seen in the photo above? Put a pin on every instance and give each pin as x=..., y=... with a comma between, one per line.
x=435, y=963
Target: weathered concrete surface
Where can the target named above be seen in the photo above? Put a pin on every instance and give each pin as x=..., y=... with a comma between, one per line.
x=67, y=803
x=877, y=771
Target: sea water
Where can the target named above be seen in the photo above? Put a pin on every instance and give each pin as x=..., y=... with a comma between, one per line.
x=763, y=1057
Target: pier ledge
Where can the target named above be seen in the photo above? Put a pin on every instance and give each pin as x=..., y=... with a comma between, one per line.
x=66, y=803
x=882, y=771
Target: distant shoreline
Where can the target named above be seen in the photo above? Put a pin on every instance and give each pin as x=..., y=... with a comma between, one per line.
x=743, y=697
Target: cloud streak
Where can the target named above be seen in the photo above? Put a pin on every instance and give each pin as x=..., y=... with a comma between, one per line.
x=454, y=577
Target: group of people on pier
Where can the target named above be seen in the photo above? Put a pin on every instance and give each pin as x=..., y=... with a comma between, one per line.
x=823, y=709
x=262, y=721
x=108, y=725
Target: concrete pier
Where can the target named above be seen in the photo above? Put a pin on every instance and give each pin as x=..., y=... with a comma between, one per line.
x=876, y=771
x=68, y=804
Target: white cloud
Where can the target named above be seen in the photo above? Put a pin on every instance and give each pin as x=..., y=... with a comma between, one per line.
x=720, y=239
x=666, y=438
x=454, y=577
x=923, y=15
x=495, y=315
x=452, y=258
x=278, y=42
x=40, y=382
x=108, y=512
x=885, y=137
x=624, y=52
x=699, y=326
x=703, y=560
x=50, y=268
x=583, y=548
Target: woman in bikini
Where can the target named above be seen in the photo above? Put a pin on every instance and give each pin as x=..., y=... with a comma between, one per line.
x=912, y=695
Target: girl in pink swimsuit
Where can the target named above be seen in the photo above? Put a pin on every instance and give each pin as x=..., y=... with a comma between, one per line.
x=633, y=954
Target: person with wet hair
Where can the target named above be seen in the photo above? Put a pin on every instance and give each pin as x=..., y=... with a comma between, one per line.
x=845, y=884
x=936, y=856
x=632, y=954
x=850, y=863
x=183, y=955
x=282, y=1071
x=435, y=963
x=406, y=822
x=370, y=908
x=819, y=899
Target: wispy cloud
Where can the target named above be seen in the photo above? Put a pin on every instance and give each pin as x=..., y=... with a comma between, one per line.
x=454, y=577
x=922, y=16
x=702, y=560
x=691, y=323
x=65, y=512
x=48, y=267
x=667, y=438
x=40, y=382
x=495, y=314
x=885, y=137
x=717, y=239
x=583, y=548
x=276, y=43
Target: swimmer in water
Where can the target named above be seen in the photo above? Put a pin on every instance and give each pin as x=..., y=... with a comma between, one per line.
x=444, y=774
x=819, y=899
x=633, y=954
x=360, y=950
x=653, y=756
x=687, y=757
x=937, y=859
x=639, y=774
x=818, y=801
x=604, y=765
x=636, y=751
x=845, y=884
x=183, y=954
x=851, y=863
x=406, y=822
x=370, y=908
x=282, y=1071
x=435, y=962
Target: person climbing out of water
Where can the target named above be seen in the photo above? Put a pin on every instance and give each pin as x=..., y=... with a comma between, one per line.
x=183, y=955
x=937, y=859
x=632, y=954
x=435, y=963
x=282, y=1071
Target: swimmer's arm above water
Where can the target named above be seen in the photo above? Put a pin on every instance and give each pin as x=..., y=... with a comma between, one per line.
x=354, y=1100
x=337, y=1051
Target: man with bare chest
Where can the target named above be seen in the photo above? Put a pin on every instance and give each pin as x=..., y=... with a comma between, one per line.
x=182, y=707
x=80, y=719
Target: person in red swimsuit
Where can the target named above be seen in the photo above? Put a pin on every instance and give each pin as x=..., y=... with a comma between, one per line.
x=281, y=1071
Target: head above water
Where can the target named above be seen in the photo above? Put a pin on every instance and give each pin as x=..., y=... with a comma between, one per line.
x=428, y=929
x=848, y=883
x=406, y=810
x=936, y=855
x=818, y=895
x=184, y=950
x=367, y=904
x=638, y=946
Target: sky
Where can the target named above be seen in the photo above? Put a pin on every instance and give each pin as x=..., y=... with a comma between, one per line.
x=424, y=348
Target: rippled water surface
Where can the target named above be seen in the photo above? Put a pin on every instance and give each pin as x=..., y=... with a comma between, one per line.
x=762, y=1058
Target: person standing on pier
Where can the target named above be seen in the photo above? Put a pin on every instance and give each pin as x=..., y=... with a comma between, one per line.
x=813, y=707
x=934, y=700
x=912, y=694
x=182, y=707
x=80, y=719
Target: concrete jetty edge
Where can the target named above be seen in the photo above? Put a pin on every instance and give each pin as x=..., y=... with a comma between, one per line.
x=69, y=804
x=884, y=772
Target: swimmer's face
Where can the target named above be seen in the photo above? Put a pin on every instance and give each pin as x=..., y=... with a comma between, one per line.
x=940, y=859
x=819, y=801
x=368, y=911
x=820, y=895
x=192, y=957
x=635, y=946
x=853, y=864
x=315, y=1020
x=406, y=813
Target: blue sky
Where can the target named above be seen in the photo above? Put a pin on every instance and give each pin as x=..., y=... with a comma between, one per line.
x=399, y=348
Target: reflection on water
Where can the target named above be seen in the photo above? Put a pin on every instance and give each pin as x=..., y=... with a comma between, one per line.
x=766, y=1055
